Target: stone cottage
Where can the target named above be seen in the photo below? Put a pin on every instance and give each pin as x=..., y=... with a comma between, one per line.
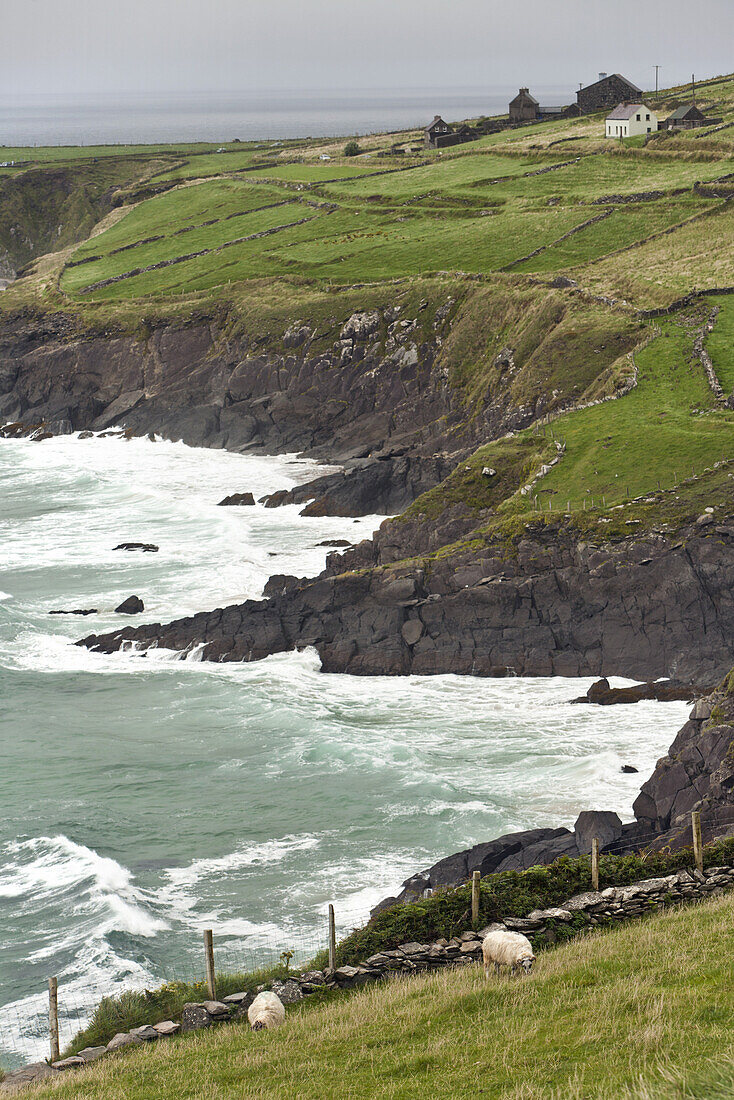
x=523, y=108
x=607, y=91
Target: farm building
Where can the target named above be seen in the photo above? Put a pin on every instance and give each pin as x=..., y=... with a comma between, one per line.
x=439, y=135
x=687, y=117
x=523, y=108
x=607, y=91
x=547, y=114
x=631, y=119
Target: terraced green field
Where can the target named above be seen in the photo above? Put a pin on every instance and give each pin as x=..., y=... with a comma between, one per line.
x=625, y=224
x=664, y=430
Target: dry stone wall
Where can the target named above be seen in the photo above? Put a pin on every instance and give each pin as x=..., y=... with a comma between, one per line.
x=543, y=927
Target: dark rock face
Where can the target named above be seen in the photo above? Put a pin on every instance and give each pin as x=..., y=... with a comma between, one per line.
x=511, y=852
x=664, y=691
x=602, y=824
x=641, y=608
x=78, y=611
x=698, y=771
x=385, y=485
x=246, y=500
x=144, y=547
x=133, y=605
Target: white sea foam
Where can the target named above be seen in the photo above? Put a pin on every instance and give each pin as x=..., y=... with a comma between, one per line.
x=242, y=798
x=45, y=868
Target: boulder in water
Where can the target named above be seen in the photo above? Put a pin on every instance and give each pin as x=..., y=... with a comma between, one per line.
x=240, y=499
x=77, y=611
x=144, y=547
x=133, y=605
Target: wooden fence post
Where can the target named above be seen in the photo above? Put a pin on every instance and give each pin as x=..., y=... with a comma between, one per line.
x=332, y=938
x=476, y=876
x=697, y=843
x=595, y=863
x=211, y=981
x=53, y=1018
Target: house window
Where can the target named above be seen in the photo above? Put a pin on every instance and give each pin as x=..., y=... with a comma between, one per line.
x=639, y=118
x=647, y=118
x=648, y=129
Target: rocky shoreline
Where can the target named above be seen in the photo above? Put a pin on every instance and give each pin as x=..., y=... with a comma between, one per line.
x=372, y=392
x=697, y=773
x=643, y=607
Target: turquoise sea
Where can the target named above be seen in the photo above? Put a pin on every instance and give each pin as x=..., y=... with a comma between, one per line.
x=145, y=799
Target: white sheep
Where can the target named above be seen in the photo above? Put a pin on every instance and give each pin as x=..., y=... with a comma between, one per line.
x=507, y=949
x=266, y=1011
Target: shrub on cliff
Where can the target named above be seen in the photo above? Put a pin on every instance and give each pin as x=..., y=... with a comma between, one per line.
x=512, y=894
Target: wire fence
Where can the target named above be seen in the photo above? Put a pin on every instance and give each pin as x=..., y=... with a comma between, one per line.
x=48, y=1020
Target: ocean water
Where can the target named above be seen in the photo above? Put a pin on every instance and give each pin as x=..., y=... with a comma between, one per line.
x=146, y=799
x=28, y=119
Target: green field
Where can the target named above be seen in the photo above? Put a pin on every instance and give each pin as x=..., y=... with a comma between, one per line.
x=491, y=224
x=641, y=1012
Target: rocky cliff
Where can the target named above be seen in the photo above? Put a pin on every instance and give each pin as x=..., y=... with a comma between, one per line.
x=697, y=773
x=548, y=604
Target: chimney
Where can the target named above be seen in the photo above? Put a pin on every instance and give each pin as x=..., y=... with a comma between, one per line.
x=524, y=91
x=602, y=75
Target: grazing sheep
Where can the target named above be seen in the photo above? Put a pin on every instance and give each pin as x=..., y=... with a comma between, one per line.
x=266, y=1011
x=507, y=949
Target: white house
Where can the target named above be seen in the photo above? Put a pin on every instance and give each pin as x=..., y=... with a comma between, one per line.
x=631, y=119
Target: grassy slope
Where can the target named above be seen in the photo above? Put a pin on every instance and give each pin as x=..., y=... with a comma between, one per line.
x=610, y=1015
x=458, y=212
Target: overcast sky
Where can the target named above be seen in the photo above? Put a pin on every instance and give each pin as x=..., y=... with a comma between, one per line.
x=70, y=46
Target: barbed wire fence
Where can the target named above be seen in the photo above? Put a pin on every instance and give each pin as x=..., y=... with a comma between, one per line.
x=221, y=964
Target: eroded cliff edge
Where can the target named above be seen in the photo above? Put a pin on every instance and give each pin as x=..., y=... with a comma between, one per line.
x=402, y=393
x=550, y=604
x=696, y=774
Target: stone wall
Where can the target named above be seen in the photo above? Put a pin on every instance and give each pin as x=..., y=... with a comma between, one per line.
x=543, y=927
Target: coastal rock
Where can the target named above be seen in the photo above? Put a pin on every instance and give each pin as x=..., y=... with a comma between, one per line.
x=117, y=409
x=133, y=605
x=549, y=611
x=696, y=773
x=663, y=691
x=79, y=611
x=512, y=851
x=246, y=500
x=603, y=824
x=26, y=1077
x=144, y=547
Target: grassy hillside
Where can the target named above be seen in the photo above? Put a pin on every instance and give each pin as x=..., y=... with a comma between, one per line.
x=640, y=1012
x=549, y=240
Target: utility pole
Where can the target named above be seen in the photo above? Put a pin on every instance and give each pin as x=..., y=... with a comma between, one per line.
x=657, y=70
x=693, y=86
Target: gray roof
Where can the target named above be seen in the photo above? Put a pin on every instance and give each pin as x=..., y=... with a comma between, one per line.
x=609, y=76
x=627, y=110
x=681, y=112
x=523, y=96
x=437, y=120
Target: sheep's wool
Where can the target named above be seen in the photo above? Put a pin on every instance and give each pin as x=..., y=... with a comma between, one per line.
x=506, y=949
x=266, y=1011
